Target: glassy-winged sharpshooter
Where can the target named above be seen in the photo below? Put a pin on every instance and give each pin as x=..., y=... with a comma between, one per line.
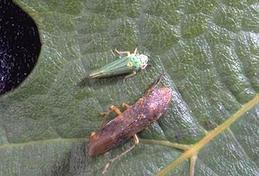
x=134, y=119
x=125, y=63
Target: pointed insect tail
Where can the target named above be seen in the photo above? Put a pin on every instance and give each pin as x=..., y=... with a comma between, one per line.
x=95, y=74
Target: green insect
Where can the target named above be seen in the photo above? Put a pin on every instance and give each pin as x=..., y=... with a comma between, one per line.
x=125, y=63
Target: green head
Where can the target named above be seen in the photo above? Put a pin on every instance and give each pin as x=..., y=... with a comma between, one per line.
x=138, y=61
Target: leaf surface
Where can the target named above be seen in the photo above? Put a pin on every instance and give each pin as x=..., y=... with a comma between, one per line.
x=209, y=51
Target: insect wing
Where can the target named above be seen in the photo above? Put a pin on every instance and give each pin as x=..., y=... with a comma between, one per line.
x=117, y=67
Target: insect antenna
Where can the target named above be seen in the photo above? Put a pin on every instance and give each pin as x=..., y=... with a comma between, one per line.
x=159, y=79
x=156, y=82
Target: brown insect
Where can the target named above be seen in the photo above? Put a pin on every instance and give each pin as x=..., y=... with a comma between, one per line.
x=134, y=119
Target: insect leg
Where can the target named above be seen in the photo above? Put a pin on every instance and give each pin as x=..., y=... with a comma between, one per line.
x=112, y=108
x=136, y=141
x=122, y=52
x=125, y=105
x=115, y=109
x=135, y=51
x=113, y=53
x=130, y=75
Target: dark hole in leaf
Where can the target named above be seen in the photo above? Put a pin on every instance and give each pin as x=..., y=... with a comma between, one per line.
x=19, y=45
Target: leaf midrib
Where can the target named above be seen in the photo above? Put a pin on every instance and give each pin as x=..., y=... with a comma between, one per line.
x=209, y=136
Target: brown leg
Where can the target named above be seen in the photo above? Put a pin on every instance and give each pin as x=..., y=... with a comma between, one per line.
x=112, y=108
x=125, y=105
x=135, y=140
x=115, y=109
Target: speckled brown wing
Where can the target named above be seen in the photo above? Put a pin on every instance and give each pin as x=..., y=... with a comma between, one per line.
x=137, y=117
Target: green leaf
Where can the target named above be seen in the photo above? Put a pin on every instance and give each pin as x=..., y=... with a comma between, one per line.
x=208, y=51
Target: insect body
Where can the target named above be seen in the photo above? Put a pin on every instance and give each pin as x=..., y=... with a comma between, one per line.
x=129, y=64
x=136, y=118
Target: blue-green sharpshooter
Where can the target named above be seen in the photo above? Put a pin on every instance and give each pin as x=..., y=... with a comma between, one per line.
x=125, y=63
